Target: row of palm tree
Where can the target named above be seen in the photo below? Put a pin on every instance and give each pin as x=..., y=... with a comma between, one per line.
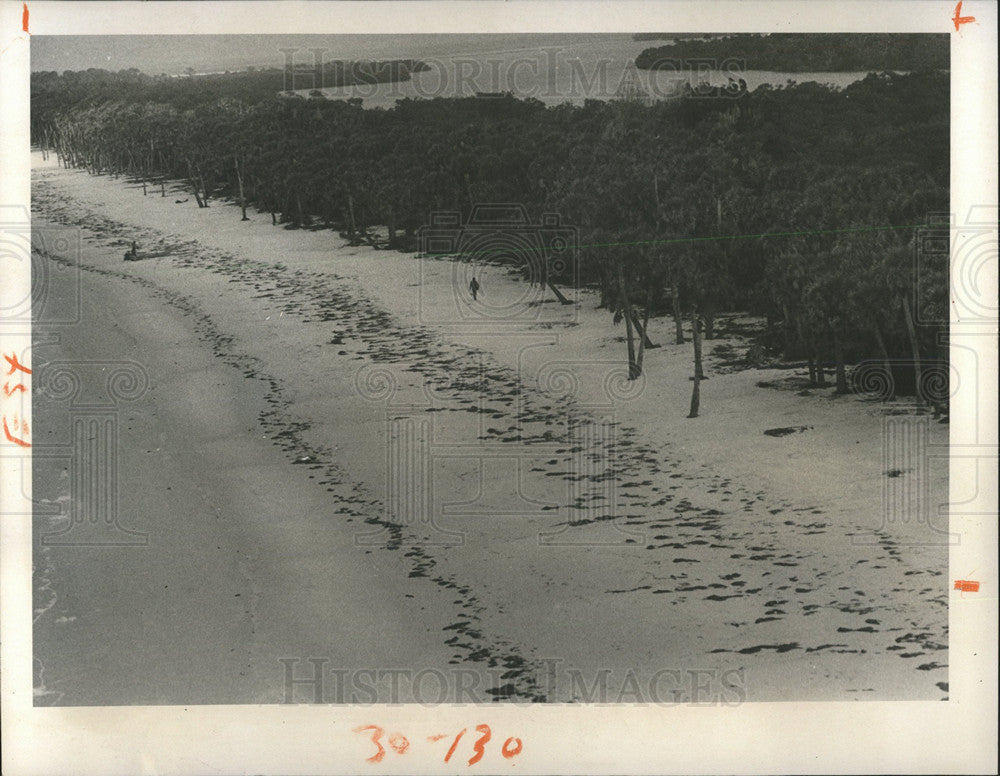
x=800, y=203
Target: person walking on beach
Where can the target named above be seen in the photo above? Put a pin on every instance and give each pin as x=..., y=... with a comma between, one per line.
x=474, y=287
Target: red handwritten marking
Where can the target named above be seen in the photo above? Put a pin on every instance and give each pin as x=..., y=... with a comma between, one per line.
x=376, y=735
x=959, y=19
x=24, y=18
x=454, y=745
x=485, y=734
x=966, y=585
x=399, y=742
x=15, y=364
x=14, y=439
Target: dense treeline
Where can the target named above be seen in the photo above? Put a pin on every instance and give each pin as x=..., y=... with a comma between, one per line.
x=53, y=92
x=641, y=36
x=810, y=53
x=796, y=203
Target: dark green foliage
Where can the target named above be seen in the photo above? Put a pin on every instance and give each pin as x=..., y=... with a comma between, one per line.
x=809, y=52
x=799, y=203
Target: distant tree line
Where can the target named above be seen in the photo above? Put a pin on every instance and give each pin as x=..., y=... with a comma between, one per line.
x=55, y=92
x=797, y=203
x=810, y=53
x=641, y=36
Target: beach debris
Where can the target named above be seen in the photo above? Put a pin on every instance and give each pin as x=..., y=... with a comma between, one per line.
x=780, y=432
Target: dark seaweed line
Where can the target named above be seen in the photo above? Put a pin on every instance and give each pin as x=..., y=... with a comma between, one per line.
x=286, y=432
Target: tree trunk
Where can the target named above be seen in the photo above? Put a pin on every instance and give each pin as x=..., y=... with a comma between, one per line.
x=709, y=325
x=697, y=335
x=911, y=332
x=820, y=371
x=163, y=177
x=634, y=370
x=149, y=162
x=886, y=363
x=696, y=389
x=675, y=299
x=607, y=296
x=641, y=327
x=468, y=191
x=838, y=354
x=642, y=330
x=817, y=375
x=350, y=209
x=633, y=367
x=559, y=294
x=787, y=331
x=194, y=186
x=239, y=181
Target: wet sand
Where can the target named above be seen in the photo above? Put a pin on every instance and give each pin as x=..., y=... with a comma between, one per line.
x=364, y=470
x=243, y=565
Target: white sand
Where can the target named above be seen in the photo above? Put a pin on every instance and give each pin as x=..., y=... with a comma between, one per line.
x=723, y=539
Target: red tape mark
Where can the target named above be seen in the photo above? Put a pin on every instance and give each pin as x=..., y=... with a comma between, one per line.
x=957, y=18
x=24, y=18
x=966, y=586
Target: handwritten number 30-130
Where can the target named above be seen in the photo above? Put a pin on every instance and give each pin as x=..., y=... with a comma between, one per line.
x=399, y=743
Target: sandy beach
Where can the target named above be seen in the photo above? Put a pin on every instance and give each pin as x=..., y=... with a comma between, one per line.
x=341, y=457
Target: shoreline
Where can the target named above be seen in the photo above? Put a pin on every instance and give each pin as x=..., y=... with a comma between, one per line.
x=220, y=506
x=307, y=314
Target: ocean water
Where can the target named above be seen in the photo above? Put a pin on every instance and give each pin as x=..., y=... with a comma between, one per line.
x=174, y=54
x=553, y=68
